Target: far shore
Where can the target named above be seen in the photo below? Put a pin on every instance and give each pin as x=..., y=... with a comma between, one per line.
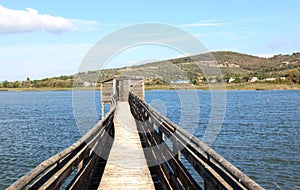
x=213, y=86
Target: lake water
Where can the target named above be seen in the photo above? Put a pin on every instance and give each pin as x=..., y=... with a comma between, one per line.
x=259, y=135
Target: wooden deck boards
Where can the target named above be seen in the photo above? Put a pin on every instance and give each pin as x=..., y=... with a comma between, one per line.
x=126, y=167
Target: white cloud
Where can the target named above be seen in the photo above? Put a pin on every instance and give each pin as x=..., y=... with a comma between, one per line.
x=29, y=20
x=202, y=24
x=85, y=25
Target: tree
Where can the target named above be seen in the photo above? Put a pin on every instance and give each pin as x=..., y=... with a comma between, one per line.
x=226, y=78
x=5, y=84
x=246, y=78
x=219, y=79
x=293, y=75
x=237, y=79
x=17, y=84
x=26, y=83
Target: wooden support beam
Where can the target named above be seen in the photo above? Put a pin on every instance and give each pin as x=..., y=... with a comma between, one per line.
x=217, y=172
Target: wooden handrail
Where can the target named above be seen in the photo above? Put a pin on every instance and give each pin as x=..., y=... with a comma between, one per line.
x=188, y=142
x=89, y=139
x=216, y=171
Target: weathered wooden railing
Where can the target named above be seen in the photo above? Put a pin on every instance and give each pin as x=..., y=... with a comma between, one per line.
x=216, y=172
x=170, y=152
x=84, y=155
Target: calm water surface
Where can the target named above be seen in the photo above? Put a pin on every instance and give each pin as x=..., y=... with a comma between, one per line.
x=260, y=133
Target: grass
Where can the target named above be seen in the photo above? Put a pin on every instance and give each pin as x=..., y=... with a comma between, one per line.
x=176, y=87
x=262, y=86
x=226, y=86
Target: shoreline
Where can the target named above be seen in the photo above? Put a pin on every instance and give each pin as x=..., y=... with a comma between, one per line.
x=226, y=86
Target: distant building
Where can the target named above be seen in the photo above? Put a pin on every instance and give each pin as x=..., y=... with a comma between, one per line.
x=270, y=79
x=253, y=79
x=231, y=80
x=181, y=82
x=213, y=80
x=86, y=84
x=285, y=63
x=89, y=84
x=201, y=79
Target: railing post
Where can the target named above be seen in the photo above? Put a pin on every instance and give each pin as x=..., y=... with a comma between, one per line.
x=161, y=136
x=102, y=110
x=216, y=172
x=176, y=151
x=80, y=165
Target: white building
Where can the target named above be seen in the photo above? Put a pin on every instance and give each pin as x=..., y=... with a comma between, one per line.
x=270, y=79
x=253, y=79
x=231, y=80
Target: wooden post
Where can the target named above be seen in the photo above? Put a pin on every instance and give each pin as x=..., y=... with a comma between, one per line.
x=80, y=165
x=176, y=151
x=102, y=103
x=102, y=110
x=161, y=136
x=143, y=89
x=114, y=86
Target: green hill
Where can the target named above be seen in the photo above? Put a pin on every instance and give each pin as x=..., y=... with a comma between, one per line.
x=232, y=65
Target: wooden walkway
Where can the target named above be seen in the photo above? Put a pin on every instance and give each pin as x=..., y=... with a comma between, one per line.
x=126, y=167
x=175, y=157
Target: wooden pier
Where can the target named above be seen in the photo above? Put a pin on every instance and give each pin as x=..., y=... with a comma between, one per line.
x=126, y=165
x=135, y=147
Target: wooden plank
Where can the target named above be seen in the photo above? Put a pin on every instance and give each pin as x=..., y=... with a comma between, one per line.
x=78, y=182
x=151, y=156
x=22, y=182
x=55, y=181
x=106, y=91
x=83, y=179
x=205, y=171
x=60, y=176
x=126, y=166
x=179, y=170
x=171, y=130
x=233, y=172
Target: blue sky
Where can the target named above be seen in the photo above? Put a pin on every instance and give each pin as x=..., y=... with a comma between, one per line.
x=50, y=38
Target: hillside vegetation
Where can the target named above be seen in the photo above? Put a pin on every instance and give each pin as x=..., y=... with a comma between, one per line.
x=235, y=68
